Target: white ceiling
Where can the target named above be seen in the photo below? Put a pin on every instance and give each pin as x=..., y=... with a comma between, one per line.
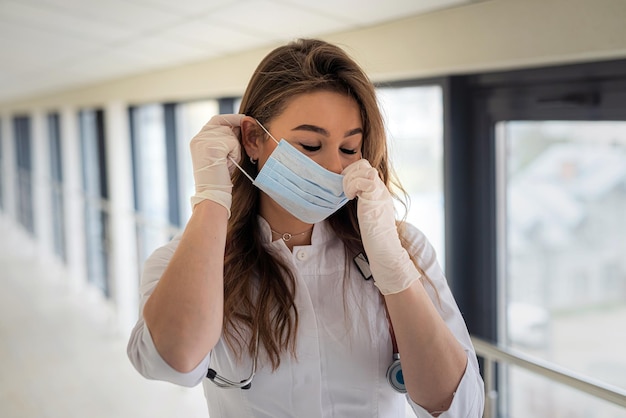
x=48, y=45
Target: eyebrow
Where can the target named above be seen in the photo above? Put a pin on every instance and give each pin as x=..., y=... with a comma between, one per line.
x=322, y=131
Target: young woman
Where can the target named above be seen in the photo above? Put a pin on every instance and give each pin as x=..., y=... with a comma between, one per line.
x=293, y=291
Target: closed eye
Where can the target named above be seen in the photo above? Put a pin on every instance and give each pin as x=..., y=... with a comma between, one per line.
x=348, y=151
x=310, y=148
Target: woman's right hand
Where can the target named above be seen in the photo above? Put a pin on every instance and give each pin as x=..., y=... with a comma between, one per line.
x=211, y=151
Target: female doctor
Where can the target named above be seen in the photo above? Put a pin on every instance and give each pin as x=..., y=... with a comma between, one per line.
x=293, y=290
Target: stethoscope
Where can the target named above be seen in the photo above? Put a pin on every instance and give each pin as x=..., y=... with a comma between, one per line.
x=394, y=371
x=245, y=384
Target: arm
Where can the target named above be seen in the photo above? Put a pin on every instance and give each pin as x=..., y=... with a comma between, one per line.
x=434, y=345
x=468, y=398
x=184, y=312
x=189, y=297
x=433, y=361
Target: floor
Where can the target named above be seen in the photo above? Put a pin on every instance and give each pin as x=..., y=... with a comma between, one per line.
x=60, y=352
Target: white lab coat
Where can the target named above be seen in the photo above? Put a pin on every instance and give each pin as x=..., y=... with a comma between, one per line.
x=342, y=353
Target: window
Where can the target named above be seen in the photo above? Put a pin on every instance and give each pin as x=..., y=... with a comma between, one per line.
x=414, y=123
x=23, y=144
x=152, y=200
x=163, y=174
x=190, y=118
x=543, y=244
x=2, y=165
x=564, y=267
x=95, y=189
x=56, y=187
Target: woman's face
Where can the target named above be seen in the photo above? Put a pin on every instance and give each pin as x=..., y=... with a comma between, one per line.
x=325, y=126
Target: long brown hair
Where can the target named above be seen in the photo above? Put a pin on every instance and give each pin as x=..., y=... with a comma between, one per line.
x=259, y=288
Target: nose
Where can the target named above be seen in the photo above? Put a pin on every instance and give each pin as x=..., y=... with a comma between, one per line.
x=332, y=162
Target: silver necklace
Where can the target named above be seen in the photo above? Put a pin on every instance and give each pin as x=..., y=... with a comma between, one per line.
x=287, y=236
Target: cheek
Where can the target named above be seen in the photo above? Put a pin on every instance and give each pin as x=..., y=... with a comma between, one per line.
x=349, y=159
x=265, y=151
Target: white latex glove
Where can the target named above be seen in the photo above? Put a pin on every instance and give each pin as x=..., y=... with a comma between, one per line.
x=391, y=266
x=211, y=150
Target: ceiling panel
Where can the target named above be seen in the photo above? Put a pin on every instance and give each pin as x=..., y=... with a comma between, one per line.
x=158, y=50
x=277, y=19
x=59, y=21
x=213, y=36
x=47, y=45
x=366, y=13
x=135, y=17
x=188, y=7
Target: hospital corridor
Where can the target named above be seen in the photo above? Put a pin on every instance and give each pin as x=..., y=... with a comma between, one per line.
x=61, y=352
x=503, y=120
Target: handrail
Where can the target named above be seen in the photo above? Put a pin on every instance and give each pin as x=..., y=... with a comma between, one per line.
x=491, y=353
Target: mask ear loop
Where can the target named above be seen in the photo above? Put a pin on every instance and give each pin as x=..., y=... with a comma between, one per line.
x=266, y=131
x=241, y=169
x=235, y=162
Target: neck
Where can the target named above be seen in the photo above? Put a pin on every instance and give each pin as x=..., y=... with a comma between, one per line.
x=294, y=240
x=288, y=236
x=282, y=222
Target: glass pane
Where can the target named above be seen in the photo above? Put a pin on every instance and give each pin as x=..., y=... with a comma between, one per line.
x=56, y=186
x=95, y=205
x=23, y=157
x=1, y=167
x=151, y=191
x=544, y=398
x=414, y=121
x=190, y=118
x=563, y=273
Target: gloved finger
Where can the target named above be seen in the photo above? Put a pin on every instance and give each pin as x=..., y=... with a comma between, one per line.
x=350, y=173
x=221, y=133
x=204, y=147
x=231, y=120
x=361, y=186
x=360, y=179
x=357, y=165
x=233, y=155
x=234, y=122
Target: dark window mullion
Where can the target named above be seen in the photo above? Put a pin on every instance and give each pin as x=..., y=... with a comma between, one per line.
x=169, y=121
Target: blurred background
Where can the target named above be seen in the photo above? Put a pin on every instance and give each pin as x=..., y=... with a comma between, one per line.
x=506, y=121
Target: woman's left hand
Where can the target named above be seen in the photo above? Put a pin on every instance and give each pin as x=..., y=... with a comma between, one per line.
x=391, y=266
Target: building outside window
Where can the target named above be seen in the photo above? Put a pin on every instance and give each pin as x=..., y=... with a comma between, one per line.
x=414, y=122
x=563, y=280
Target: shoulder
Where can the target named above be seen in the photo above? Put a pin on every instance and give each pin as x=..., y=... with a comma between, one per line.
x=165, y=252
x=414, y=240
x=155, y=264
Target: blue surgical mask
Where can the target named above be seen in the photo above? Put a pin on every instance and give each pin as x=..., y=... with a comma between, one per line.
x=297, y=183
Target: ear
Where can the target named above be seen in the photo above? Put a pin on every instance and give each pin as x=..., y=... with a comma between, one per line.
x=251, y=136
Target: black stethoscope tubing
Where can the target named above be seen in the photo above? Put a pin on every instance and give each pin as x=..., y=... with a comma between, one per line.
x=224, y=383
